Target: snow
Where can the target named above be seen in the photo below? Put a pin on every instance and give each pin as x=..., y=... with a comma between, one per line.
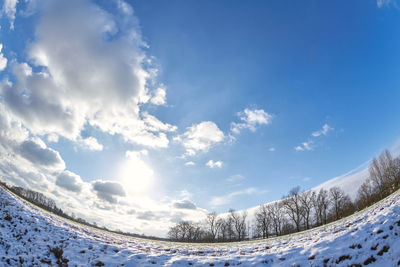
x=26, y=240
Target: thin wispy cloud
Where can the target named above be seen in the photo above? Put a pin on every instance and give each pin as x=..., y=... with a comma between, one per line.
x=324, y=131
x=228, y=198
x=309, y=145
x=305, y=146
x=382, y=3
x=235, y=178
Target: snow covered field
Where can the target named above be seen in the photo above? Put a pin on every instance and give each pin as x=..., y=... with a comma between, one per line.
x=30, y=236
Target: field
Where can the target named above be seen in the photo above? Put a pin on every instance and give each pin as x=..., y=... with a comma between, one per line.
x=30, y=236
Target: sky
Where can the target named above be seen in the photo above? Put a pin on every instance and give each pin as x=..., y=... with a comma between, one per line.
x=139, y=114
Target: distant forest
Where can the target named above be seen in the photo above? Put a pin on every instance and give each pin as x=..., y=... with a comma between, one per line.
x=49, y=204
x=296, y=211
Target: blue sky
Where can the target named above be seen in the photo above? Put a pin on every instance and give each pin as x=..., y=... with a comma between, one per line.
x=165, y=110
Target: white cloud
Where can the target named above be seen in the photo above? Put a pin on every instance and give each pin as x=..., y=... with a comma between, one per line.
x=308, y=145
x=184, y=204
x=133, y=154
x=214, y=164
x=69, y=181
x=251, y=119
x=70, y=92
x=37, y=152
x=226, y=199
x=98, y=80
x=159, y=97
x=53, y=138
x=324, y=131
x=108, y=190
x=305, y=146
x=272, y=149
x=91, y=143
x=189, y=163
x=10, y=9
x=3, y=60
x=200, y=137
x=381, y=3
x=185, y=194
x=155, y=125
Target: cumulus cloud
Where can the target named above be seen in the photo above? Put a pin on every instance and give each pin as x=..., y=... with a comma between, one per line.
x=91, y=143
x=36, y=152
x=84, y=68
x=214, y=164
x=11, y=131
x=108, y=190
x=155, y=125
x=69, y=181
x=159, y=97
x=3, y=60
x=23, y=161
x=190, y=163
x=69, y=92
x=251, y=119
x=53, y=138
x=184, y=204
x=324, y=131
x=200, y=137
x=9, y=9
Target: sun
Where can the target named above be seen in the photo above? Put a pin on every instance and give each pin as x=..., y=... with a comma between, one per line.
x=136, y=176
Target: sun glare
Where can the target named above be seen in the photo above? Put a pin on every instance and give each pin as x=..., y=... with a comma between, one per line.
x=136, y=176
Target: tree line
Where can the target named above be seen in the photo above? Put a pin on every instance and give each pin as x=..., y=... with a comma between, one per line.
x=296, y=211
x=49, y=204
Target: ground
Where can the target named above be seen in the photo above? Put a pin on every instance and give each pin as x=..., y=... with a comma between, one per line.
x=30, y=236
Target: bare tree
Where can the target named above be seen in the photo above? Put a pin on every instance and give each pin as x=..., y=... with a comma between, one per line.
x=239, y=223
x=341, y=203
x=174, y=233
x=307, y=200
x=224, y=232
x=383, y=173
x=321, y=205
x=275, y=211
x=293, y=207
x=365, y=194
x=396, y=167
x=186, y=231
x=263, y=221
x=214, y=225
